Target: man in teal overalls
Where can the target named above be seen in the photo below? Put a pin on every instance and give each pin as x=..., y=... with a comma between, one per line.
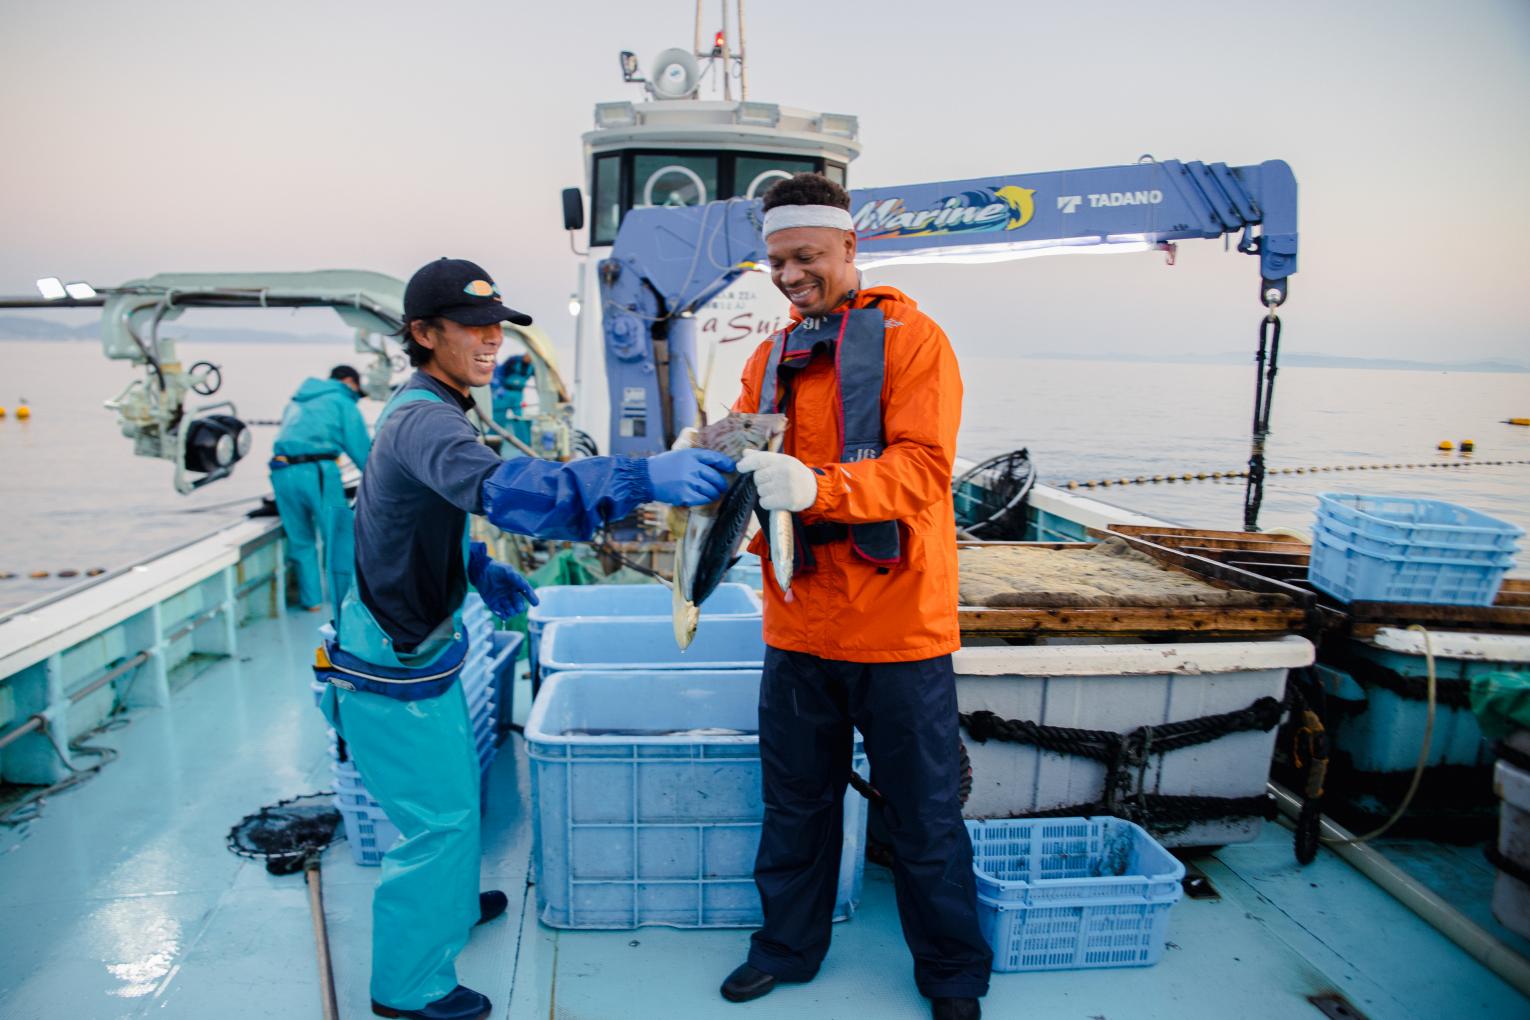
x=320, y=423
x=392, y=670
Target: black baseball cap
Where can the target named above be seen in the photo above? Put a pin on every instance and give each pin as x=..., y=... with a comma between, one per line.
x=458, y=290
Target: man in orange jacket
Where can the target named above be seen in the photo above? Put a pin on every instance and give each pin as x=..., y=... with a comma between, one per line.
x=873, y=398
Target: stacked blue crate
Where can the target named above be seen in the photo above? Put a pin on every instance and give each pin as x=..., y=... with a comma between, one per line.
x=1403, y=549
x=367, y=828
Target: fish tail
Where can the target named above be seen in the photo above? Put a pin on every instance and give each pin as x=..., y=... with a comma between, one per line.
x=783, y=552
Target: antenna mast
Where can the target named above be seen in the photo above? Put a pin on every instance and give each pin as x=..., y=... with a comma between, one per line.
x=743, y=68
x=727, y=59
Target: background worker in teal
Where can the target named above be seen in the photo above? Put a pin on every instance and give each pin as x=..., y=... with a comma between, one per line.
x=321, y=422
x=392, y=671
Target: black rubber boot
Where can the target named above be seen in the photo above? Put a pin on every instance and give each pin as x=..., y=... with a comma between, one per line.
x=747, y=983
x=461, y=1003
x=490, y=905
x=955, y=1009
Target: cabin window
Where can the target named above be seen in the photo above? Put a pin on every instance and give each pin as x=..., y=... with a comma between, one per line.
x=754, y=175
x=670, y=179
x=835, y=172
x=606, y=202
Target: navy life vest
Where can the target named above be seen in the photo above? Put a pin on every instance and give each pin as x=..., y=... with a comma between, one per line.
x=857, y=339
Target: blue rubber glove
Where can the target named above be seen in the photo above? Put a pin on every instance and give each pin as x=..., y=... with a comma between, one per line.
x=689, y=477
x=505, y=592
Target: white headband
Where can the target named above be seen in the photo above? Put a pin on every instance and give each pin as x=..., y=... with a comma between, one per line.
x=785, y=217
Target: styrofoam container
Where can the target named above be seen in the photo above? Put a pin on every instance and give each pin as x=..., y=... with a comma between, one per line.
x=1071, y=893
x=626, y=601
x=1120, y=687
x=1385, y=734
x=637, y=824
x=1511, y=897
x=607, y=644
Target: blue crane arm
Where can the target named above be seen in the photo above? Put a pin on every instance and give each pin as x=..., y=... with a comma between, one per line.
x=1138, y=206
x=667, y=262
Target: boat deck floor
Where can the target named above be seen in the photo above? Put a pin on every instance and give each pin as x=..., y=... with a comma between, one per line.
x=121, y=900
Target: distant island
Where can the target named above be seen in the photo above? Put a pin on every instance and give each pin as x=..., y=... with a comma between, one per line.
x=26, y=327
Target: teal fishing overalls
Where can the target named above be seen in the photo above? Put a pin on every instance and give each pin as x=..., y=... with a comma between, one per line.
x=320, y=423
x=418, y=759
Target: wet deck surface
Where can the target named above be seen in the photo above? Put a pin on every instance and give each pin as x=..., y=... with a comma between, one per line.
x=122, y=901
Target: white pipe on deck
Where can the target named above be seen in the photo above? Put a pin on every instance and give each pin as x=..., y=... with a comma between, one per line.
x=1449, y=921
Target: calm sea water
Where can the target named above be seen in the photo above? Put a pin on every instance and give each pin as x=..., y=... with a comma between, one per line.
x=75, y=497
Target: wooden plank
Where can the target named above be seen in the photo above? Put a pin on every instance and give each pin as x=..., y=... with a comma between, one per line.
x=1154, y=533
x=1276, y=571
x=1090, y=620
x=1219, y=574
x=1206, y=542
x=1370, y=615
x=977, y=543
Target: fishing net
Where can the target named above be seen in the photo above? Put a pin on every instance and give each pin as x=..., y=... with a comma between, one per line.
x=287, y=833
x=990, y=498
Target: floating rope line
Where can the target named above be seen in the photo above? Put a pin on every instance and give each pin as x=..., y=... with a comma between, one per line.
x=39, y=575
x=1206, y=476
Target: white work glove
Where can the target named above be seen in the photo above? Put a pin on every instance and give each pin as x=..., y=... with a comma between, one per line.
x=685, y=440
x=783, y=481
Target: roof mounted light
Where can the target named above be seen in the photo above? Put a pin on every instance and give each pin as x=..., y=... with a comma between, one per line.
x=613, y=115
x=80, y=291
x=842, y=124
x=630, y=66
x=761, y=114
x=52, y=288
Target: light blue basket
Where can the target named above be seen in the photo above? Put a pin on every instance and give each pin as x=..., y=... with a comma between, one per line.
x=503, y=656
x=624, y=601
x=1072, y=893
x=637, y=824
x=367, y=828
x=1354, y=560
x=1401, y=522
x=748, y=571
x=648, y=644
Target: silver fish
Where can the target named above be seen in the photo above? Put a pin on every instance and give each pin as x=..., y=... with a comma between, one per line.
x=707, y=537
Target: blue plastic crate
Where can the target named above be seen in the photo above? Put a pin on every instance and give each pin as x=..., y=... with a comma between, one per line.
x=1399, y=523
x=648, y=644
x=1072, y=893
x=748, y=571
x=637, y=821
x=367, y=828
x=625, y=601
x=505, y=653
x=1352, y=574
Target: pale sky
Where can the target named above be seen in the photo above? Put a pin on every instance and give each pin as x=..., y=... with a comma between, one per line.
x=198, y=136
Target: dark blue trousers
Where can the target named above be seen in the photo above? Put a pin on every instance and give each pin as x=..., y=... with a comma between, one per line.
x=906, y=711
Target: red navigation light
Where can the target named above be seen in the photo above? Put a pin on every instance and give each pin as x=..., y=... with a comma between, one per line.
x=718, y=41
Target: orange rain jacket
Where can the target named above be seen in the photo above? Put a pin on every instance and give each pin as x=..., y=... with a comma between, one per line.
x=845, y=609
